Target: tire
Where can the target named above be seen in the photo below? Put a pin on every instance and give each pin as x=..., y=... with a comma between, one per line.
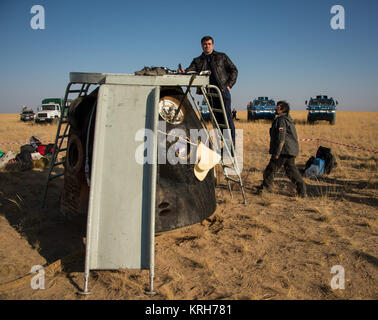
x=332, y=122
x=75, y=154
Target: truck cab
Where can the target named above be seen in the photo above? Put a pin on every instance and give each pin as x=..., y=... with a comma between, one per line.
x=49, y=112
x=261, y=108
x=321, y=107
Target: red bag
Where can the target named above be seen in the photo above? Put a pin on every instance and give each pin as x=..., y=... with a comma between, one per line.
x=44, y=149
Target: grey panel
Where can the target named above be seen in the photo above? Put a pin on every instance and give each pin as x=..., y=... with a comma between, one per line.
x=122, y=194
x=129, y=79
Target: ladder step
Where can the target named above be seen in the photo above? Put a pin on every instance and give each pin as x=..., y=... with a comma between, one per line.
x=56, y=176
x=226, y=155
x=231, y=168
x=61, y=135
x=58, y=163
x=61, y=150
x=232, y=179
x=212, y=95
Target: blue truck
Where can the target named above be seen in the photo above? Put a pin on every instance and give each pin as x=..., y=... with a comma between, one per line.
x=261, y=108
x=204, y=109
x=321, y=108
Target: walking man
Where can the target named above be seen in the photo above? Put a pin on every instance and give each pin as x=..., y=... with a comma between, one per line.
x=223, y=75
x=234, y=114
x=284, y=148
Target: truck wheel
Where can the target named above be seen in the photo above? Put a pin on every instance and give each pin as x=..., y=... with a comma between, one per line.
x=332, y=122
x=75, y=154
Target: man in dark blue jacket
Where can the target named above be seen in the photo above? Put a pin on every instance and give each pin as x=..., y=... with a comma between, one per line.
x=223, y=75
x=283, y=148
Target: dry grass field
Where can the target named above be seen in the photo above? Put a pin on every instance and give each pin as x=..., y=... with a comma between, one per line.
x=277, y=247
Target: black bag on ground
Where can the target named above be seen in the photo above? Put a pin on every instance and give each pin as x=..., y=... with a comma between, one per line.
x=23, y=159
x=27, y=148
x=330, y=161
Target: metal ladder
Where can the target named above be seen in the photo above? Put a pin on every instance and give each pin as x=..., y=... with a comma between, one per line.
x=62, y=133
x=209, y=92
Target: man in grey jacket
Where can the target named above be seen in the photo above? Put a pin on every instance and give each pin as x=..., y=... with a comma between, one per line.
x=283, y=148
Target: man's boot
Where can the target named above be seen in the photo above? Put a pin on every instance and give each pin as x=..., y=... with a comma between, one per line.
x=263, y=188
x=301, y=190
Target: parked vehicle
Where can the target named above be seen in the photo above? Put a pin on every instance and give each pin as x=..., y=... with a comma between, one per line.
x=261, y=108
x=321, y=108
x=50, y=110
x=204, y=109
x=27, y=114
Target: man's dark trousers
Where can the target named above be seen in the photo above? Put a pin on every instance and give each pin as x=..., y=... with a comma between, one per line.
x=226, y=95
x=291, y=171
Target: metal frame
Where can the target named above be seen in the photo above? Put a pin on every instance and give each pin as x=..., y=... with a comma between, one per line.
x=88, y=79
x=205, y=91
x=158, y=81
x=60, y=138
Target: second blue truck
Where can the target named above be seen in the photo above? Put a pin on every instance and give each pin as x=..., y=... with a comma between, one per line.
x=261, y=108
x=321, y=108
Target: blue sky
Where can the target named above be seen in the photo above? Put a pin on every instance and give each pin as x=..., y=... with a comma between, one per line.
x=284, y=49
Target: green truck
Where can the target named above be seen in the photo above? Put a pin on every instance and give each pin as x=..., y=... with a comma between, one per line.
x=50, y=110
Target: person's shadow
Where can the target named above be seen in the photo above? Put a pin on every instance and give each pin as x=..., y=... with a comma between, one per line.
x=350, y=190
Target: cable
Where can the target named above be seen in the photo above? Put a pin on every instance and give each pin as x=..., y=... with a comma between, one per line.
x=87, y=147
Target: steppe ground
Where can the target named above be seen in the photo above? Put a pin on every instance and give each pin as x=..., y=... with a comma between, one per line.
x=277, y=247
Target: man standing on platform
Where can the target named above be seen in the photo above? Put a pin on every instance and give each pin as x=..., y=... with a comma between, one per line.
x=223, y=75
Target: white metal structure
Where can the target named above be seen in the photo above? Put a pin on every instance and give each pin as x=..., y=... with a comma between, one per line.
x=120, y=224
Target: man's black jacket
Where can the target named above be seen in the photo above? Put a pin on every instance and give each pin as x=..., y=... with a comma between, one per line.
x=224, y=70
x=283, y=136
